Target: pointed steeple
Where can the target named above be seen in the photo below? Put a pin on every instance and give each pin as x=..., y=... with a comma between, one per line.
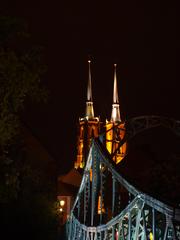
x=89, y=103
x=89, y=88
x=115, y=90
x=115, y=115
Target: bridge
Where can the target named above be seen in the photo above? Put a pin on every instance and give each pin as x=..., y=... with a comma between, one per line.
x=107, y=206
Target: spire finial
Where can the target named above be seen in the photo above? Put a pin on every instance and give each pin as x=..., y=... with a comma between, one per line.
x=115, y=116
x=115, y=91
x=89, y=88
x=89, y=101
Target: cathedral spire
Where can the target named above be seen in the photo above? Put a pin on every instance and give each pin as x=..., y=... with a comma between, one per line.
x=115, y=91
x=89, y=103
x=89, y=88
x=115, y=115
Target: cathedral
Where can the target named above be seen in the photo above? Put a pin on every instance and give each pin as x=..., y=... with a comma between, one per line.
x=103, y=197
x=91, y=126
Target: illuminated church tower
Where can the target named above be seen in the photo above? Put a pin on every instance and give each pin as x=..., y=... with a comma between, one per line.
x=111, y=134
x=89, y=127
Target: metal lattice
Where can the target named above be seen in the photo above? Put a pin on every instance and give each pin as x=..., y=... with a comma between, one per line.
x=109, y=207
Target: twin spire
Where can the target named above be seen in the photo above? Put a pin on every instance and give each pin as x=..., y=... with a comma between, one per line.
x=89, y=89
x=89, y=101
x=115, y=115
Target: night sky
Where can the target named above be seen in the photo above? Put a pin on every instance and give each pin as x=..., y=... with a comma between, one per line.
x=139, y=36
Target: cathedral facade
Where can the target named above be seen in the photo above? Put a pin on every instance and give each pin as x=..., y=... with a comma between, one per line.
x=91, y=126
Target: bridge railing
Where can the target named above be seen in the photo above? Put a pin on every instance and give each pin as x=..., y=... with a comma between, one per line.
x=107, y=206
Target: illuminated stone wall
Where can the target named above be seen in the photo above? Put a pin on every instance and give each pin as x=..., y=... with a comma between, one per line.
x=88, y=128
x=92, y=128
x=113, y=137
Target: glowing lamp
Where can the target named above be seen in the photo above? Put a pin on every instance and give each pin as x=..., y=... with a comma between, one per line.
x=151, y=236
x=62, y=203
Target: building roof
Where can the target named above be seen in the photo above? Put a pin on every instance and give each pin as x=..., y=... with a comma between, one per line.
x=68, y=184
x=65, y=189
x=73, y=177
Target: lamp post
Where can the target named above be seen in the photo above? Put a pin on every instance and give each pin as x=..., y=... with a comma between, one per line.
x=61, y=209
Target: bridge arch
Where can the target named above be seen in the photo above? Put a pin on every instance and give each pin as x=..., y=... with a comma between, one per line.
x=128, y=213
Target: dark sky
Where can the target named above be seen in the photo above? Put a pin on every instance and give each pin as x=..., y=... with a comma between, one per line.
x=139, y=36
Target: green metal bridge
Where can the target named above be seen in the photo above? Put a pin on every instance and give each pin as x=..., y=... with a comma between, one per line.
x=107, y=206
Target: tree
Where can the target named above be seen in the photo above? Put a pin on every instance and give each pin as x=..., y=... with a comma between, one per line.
x=21, y=195
x=20, y=78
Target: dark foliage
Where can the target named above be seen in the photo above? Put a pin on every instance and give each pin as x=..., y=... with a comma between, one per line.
x=27, y=192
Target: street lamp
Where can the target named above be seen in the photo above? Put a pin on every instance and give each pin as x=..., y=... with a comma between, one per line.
x=61, y=209
x=62, y=203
